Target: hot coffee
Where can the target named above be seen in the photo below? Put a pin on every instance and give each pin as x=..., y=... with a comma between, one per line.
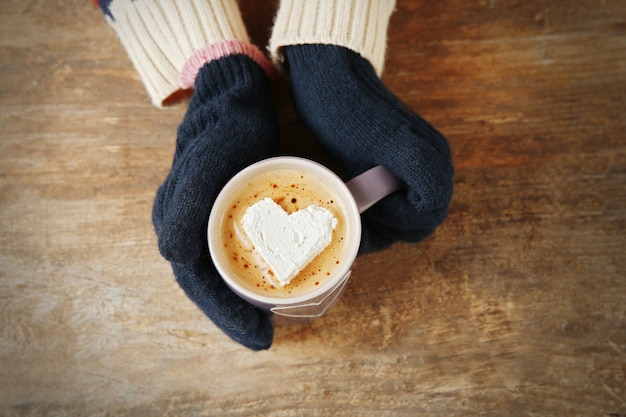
x=293, y=190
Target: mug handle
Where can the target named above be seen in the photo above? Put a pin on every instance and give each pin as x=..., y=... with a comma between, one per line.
x=372, y=186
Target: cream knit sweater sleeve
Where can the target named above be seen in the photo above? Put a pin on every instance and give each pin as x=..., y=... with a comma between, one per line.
x=360, y=25
x=161, y=35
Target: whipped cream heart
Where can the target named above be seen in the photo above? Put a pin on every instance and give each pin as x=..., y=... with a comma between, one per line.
x=288, y=242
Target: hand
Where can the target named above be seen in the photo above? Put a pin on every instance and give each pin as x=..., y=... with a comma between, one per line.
x=342, y=100
x=230, y=123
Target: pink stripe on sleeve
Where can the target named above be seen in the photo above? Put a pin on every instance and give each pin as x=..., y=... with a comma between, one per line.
x=218, y=50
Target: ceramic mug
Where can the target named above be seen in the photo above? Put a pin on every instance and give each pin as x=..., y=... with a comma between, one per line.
x=354, y=197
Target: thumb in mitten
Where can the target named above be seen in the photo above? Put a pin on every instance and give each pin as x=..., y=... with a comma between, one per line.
x=241, y=321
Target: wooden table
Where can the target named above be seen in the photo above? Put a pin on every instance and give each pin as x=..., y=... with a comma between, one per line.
x=514, y=307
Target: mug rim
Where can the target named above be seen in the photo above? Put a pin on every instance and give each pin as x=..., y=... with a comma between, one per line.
x=294, y=162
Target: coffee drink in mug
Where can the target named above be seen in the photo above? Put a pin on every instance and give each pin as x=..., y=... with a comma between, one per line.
x=290, y=190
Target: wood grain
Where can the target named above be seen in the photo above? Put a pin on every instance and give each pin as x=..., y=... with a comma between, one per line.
x=514, y=307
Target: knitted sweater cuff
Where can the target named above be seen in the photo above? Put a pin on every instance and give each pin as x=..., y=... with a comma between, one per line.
x=360, y=25
x=161, y=35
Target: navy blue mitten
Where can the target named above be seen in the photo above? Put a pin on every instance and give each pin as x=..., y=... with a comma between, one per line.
x=339, y=96
x=230, y=124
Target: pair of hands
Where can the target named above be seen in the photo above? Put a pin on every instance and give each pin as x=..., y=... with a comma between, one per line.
x=230, y=124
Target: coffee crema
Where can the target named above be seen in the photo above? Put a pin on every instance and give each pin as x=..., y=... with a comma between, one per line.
x=293, y=190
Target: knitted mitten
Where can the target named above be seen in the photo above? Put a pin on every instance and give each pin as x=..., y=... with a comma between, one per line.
x=363, y=125
x=334, y=53
x=229, y=124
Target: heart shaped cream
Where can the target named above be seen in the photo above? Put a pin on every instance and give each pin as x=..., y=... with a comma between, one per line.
x=288, y=242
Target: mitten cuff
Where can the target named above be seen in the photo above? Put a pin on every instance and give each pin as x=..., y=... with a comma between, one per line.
x=360, y=25
x=218, y=50
x=160, y=36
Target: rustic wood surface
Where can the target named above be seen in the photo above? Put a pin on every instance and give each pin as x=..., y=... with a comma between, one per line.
x=514, y=307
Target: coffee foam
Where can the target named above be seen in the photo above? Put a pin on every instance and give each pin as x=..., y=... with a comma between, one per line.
x=287, y=242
